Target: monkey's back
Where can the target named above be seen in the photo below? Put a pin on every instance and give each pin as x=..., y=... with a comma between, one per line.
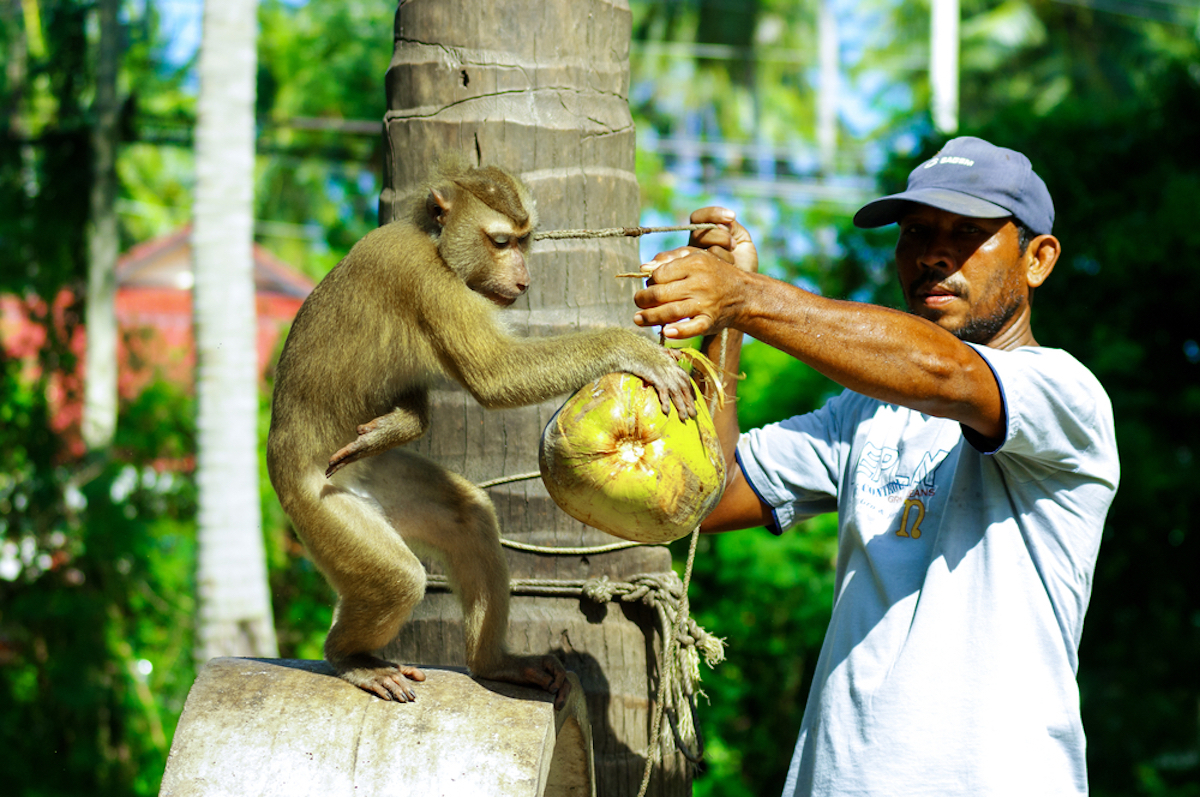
x=356, y=345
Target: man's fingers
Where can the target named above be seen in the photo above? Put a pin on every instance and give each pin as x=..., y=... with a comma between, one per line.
x=657, y=314
x=723, y=253
x=688, y=328
x=663, y=258
x=713, y=214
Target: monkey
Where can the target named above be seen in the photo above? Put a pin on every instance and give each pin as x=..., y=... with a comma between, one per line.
x=416, y=300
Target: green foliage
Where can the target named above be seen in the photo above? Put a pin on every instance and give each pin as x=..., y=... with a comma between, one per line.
x=320, y=63
x=97, y=593
x=154, y=165
x=1122, y=300
x=95, y=555
x=42, y=181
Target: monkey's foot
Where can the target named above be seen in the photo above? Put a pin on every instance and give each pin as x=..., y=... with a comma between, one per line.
x=381, y=678
x=544, y=672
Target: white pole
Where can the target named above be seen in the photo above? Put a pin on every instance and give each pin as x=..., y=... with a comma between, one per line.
x=943, y=64
x=235, y=604
x=827, y=88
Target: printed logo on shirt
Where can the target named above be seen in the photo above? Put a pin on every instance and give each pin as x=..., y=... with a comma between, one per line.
x=878, y=474
x=884, y=487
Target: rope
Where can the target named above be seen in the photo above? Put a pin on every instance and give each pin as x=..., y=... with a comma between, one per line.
x=669, y=684
x=617, y=232
x=683, y=641
x=555, y=551
x=584, y=551
x=520, y=477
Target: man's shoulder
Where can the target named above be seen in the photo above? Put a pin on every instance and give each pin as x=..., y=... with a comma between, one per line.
x=1048, y=364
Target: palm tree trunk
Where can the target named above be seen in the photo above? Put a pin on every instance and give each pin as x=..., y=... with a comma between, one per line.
x=540, y=89
x=235, y=609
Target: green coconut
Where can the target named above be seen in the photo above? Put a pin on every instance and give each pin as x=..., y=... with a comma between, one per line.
x=612, y=459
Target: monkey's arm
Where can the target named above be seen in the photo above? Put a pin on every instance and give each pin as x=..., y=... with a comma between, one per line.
x=514, y=372
x=406, y=422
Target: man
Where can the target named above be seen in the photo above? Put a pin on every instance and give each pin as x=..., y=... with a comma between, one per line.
x=971, y=470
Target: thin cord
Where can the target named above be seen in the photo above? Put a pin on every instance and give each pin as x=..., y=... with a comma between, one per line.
x=672, y=643
x=618, y=232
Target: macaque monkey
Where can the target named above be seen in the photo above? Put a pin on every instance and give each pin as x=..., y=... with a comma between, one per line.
x=413, y=301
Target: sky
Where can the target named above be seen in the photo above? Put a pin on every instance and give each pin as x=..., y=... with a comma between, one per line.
x=180, y=23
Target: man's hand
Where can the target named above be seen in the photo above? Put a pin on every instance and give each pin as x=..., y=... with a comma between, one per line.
x=699, y=289
x=730, y=242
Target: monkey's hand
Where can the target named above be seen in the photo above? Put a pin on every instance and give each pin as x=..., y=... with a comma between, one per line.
x=544, y=672
x=669, y=380
x=376, y=436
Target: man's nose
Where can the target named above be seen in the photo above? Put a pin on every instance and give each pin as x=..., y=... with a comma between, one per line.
x=939, y=253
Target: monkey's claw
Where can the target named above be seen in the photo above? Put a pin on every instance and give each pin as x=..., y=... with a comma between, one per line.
x=345, y=455
x=381, y=678
x=365, y=445
x=676, y=388
x=376, y=436
x=543, y=672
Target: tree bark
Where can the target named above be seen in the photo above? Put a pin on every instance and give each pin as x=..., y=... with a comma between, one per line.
x=541, y=90
x=235, y=609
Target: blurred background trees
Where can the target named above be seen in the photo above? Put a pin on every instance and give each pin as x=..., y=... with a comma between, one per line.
x=97, y=552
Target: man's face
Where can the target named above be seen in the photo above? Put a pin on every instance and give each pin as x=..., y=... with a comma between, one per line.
x=965, y=274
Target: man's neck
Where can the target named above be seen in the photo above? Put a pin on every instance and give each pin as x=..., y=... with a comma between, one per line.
x=1016, y=335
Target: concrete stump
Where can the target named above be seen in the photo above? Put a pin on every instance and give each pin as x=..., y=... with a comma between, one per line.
x=287, y=727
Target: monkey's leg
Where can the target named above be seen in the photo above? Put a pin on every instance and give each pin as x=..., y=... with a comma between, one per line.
x=378, y=581
x=465, y=534
x=405, y=423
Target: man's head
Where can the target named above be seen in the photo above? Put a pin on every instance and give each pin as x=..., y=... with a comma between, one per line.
x=975, y=240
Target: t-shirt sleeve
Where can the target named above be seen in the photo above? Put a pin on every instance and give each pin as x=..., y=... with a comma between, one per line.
x=1057, y=416
x=794, y=465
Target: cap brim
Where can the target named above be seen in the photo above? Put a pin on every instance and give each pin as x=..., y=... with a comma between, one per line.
x=890, y=209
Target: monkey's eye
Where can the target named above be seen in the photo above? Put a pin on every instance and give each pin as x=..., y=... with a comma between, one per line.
x=501, y=240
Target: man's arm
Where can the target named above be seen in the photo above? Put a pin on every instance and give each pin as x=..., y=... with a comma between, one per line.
x=886, y=354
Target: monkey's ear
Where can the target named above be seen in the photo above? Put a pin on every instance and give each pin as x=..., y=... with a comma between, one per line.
x=438, y=205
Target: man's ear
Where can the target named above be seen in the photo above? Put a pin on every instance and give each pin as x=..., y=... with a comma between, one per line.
x=1041, y=256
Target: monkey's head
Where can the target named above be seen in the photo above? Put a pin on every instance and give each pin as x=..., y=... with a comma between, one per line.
x=483, y=221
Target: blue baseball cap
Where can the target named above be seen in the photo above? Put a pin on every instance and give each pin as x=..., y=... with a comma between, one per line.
x=971, y=177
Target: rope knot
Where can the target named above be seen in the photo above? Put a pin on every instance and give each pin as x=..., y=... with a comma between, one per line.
x=600, y=590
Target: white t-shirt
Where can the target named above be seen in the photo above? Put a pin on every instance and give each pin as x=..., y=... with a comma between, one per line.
x=962, y=580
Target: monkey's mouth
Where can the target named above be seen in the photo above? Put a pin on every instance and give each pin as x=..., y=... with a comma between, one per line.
x=501, y=299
